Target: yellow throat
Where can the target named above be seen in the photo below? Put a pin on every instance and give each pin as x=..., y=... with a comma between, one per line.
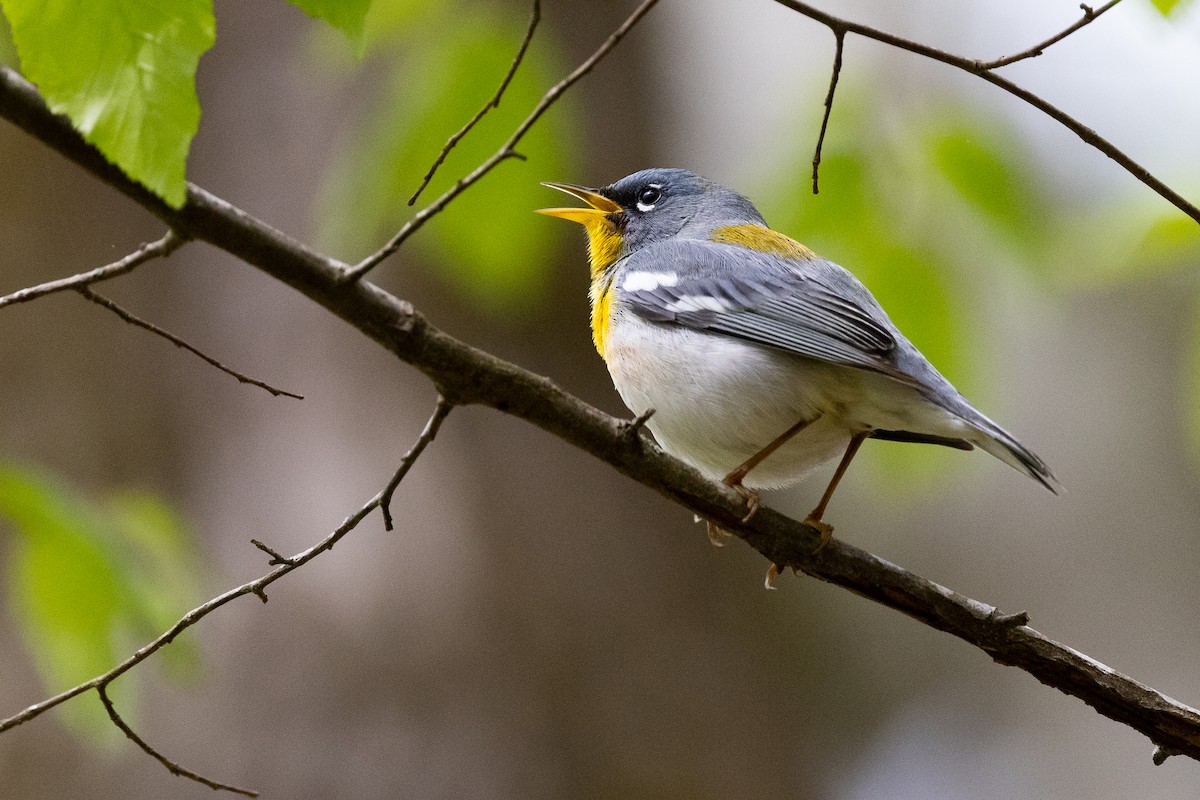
x=601, y=221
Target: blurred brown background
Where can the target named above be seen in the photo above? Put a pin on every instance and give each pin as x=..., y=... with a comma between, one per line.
x=540, y=626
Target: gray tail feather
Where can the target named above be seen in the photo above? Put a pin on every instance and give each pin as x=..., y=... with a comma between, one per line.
x=1004, y=446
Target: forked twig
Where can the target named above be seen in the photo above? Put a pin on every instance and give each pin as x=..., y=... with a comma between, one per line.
x=1085, y=133
x=534, y=17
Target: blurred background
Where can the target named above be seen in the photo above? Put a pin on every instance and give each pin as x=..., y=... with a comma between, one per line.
x=539, y=626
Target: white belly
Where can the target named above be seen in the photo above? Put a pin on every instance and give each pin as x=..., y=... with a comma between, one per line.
x=719, y=400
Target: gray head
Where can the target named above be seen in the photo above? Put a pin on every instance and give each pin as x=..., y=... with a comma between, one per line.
x=661, y=203
x=652, y=206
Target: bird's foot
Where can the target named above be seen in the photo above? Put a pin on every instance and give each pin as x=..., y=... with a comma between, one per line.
x=772, y=574
x=824, y=528
x=716, y=534
x=753, y=500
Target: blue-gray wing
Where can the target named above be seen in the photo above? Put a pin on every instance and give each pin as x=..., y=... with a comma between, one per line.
x=809, y=307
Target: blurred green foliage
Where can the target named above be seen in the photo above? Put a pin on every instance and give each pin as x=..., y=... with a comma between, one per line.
x=442, y=65
x=1166, y=7
x=8, y=52
x=90, y=582
x=348, y=16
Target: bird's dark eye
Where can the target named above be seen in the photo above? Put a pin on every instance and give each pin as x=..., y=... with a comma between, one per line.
x=648, y=197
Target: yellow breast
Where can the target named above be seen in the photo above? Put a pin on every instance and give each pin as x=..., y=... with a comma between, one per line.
x=602, y=297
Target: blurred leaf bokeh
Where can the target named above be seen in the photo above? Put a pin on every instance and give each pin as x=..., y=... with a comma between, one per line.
x=88, y=583
x=495, y=252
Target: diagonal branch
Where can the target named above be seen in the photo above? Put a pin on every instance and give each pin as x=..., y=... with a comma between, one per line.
x=157, y=249
x=506, y=151
x=982, y=70
x=534, y=17
x=1090, y=15
x=132, y=319
x=171, y=766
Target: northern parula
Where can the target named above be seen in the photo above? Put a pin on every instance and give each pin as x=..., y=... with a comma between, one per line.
x=760, y=359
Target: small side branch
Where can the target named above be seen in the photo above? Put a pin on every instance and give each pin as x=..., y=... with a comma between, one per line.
x=840, y=35
x=158, y=249
x=535, y=16
x=174, y=768
x=1090, y=15
x=440, y=412
x=506, y=151
x=132, y=319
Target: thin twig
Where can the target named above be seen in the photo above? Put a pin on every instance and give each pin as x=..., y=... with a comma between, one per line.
x=157, y=249
x=1089, y=16
x=506, y=151
x=132, y=319
x=534, y=17
x=975, y=68
x=440, y=411
x=171, y=766
x=276, y=557
x=840, y=36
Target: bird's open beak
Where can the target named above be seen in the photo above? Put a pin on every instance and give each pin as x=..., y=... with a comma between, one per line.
x=601, y=206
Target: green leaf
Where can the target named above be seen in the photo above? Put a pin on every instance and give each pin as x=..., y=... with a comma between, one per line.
x=1165, y=7
x=348, y=16
x=89, y=584
x=495, y=250
x=124, y=73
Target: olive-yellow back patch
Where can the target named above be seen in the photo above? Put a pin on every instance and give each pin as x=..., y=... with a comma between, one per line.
x=761, y=238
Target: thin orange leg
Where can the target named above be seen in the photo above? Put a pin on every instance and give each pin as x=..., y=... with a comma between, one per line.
x=814, y=517
x=734, y=479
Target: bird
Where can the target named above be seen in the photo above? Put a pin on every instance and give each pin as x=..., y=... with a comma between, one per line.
x=759, y=359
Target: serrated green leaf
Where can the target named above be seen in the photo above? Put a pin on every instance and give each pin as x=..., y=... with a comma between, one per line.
x=87, y=584
x=124, y=73
x=495, y=250
x=348, y=16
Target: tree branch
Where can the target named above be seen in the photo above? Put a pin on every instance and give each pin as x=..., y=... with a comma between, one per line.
x=506, y=150
x=534, y=17
x=158, y=249
x=981, y=70
x=171, y=766
x=1090, y=15
x=133, y=319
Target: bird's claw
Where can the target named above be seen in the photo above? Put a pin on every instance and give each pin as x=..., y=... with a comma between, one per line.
x=825, y=529
x=752, y=498
x=716, y=534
